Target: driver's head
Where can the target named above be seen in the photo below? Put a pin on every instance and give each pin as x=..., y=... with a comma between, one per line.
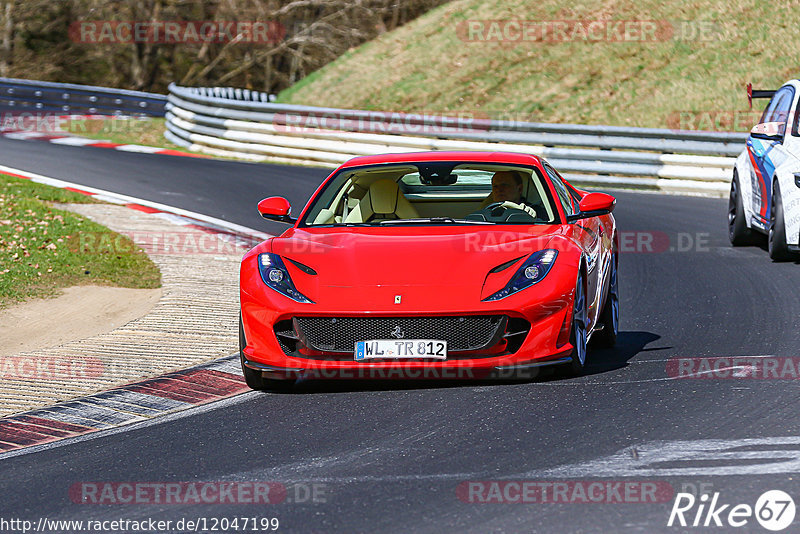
x=507, y=186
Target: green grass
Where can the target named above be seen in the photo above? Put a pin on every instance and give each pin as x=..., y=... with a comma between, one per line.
x=426, y=66
x=43, y=249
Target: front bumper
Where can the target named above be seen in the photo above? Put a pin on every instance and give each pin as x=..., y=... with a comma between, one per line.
x=546, y=308
x=399, y=371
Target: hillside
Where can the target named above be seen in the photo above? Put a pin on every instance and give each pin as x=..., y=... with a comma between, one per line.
x=689, y=57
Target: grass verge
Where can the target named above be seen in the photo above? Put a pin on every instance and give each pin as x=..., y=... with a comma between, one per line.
x=690, y=75
x=127, y=131
x=41, y=247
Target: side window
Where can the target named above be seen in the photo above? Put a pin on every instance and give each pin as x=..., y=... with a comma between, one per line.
x=779, y=106
x=561, y=190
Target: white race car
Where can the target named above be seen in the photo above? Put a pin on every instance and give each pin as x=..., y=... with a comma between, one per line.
x=765, y=189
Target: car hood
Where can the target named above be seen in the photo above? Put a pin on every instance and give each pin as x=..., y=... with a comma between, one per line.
x=417, y=263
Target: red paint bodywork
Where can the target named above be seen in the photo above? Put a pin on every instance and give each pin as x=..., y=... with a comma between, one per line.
x=439, y=270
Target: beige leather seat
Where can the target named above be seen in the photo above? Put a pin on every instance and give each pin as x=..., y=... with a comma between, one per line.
x=383, y=201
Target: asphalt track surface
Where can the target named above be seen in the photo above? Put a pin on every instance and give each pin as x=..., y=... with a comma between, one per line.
x=389, y=456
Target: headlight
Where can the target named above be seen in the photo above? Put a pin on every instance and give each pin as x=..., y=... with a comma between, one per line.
x=274, y=274
x=532, y=270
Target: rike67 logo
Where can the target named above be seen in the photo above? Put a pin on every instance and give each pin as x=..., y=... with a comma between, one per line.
x=774, y=510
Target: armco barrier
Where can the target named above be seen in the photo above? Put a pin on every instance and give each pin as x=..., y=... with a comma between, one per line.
x=249, y=125
x=31, y=96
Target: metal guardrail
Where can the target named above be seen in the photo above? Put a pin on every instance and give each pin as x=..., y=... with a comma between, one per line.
x=249, y=125
x=31, y=96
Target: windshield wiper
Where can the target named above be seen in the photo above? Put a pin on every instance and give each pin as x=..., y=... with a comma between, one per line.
x=338, y=225
x=438, y=220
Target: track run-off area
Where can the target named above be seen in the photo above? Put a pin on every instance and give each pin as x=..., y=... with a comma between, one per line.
x=699, y=396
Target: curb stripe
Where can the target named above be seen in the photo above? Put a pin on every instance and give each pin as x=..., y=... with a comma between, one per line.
x=173, y=389
x=132, y=403
x=145, y=400
x=76, y=140
x=121, y=406
x=76, y=190
x=131, y=398
x=41, y=430
x=139, y=207
x=55, y=425
x=104, y=144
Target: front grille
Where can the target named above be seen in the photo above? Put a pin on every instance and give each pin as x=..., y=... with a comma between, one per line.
x=339, y=334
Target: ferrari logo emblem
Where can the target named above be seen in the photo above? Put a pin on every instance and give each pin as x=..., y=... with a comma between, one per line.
x=397, y=299
x=398, y=332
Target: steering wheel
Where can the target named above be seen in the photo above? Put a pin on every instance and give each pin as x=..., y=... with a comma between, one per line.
x=499, y=212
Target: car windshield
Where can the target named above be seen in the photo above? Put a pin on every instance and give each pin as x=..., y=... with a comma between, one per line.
x=433, y=193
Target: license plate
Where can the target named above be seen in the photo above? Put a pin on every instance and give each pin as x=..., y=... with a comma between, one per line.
x=401, y=348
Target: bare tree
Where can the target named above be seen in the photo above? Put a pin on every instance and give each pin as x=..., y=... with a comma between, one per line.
x=37, y=40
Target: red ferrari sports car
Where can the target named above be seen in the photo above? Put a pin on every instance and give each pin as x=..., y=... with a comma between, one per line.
x=434, y=264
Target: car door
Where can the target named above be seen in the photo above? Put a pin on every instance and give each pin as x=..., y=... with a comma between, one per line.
x=767, y=153
x=589, y=233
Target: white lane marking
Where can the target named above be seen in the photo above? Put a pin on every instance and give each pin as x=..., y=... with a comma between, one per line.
x=111, y=200
x=743, y=369
x=772, y=456
x=76, y=141
x=174, y=219
x=139, y=148
x=125, y=199
x=24, y=135
x=672, y=358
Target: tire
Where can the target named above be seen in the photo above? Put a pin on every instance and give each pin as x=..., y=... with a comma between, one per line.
x=253, y=378
x=776, y=242
x=578, y=334
x=609, y=316
x=738, y=232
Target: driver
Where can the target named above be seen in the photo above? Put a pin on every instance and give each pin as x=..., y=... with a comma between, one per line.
x=507, y=187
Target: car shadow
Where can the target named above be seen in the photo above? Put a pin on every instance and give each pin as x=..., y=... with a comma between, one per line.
x=629, y=344
x=762, y=245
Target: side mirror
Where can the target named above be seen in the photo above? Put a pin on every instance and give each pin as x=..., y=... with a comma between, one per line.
x=276, y=209
x=772, y=131
x=594, y=205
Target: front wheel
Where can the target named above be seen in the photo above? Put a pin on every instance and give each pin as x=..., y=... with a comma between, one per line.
x=609, y=317
x=578, y=335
